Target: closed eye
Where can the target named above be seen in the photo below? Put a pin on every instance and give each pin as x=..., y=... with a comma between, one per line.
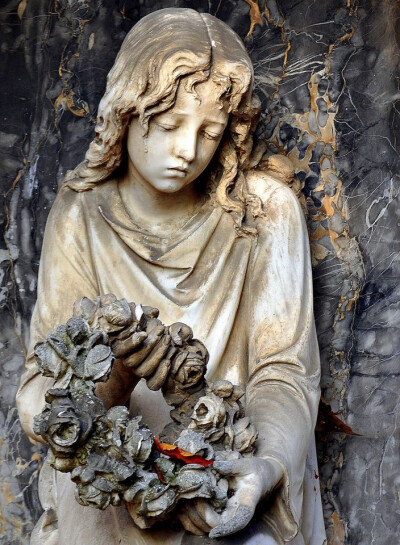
x=165, y=126
x=210, y=135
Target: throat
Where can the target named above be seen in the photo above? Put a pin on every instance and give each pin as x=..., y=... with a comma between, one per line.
x=159, y=213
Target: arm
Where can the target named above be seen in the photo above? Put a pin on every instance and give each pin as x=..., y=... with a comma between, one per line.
x=65, y=274
x=284, y=369
x=283, y=365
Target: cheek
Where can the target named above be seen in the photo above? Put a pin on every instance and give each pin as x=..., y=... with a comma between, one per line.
x=207, y=151
x=158, y=148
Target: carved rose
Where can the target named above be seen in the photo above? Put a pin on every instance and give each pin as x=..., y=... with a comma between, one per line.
x=62, y=424
x=209, y=412
x=191, y=366
x=245, y=435
x=190, y=373
x=85, y=308
x=118, y=313
x=51, y=355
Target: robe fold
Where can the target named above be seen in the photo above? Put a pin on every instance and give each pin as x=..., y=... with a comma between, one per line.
x=248, y=299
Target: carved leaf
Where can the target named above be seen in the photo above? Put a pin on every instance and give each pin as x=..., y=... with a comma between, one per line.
x=98, y=362
x=48, y=360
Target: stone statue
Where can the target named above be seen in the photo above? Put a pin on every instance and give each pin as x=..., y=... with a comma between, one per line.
x=174, y=207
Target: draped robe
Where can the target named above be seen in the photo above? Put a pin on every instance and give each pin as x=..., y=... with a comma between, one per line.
x=247, y=298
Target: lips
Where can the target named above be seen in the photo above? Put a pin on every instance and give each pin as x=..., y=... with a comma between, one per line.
x=178, y=170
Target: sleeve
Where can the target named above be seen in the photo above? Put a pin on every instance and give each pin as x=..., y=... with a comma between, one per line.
x=284, y=368
x=65, y=274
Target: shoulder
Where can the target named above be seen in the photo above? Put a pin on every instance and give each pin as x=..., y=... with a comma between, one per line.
x=275, y=195
x=280, y=221
x=71, y=208
x=72, y=203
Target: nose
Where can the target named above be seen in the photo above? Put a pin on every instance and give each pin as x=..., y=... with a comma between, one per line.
x=186, y=144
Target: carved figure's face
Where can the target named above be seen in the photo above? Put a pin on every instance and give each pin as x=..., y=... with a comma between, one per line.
x=181, y=141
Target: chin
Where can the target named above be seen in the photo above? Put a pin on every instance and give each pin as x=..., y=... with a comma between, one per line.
x=170, y=186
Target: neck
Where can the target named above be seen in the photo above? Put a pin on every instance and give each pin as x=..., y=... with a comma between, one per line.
x=154, y=209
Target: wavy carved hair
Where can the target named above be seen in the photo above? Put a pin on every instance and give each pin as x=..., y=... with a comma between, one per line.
x=157, y=55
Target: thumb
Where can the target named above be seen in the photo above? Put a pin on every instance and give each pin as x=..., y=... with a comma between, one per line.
x=223, y=467
x=241, y=466
x=242, y=517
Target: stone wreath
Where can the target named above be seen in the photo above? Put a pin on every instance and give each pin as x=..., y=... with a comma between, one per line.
x=113, y=458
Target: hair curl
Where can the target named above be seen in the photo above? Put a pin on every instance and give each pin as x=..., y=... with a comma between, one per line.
x=157, y=55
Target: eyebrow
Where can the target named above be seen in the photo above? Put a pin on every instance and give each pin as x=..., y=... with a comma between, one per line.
x=177, y=114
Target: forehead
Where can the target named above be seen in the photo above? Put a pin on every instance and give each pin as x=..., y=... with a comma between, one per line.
x=203, y=102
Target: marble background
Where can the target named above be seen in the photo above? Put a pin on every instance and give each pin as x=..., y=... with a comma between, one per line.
x=327, y=73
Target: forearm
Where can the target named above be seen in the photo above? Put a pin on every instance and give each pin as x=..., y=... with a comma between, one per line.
x=284, y=418
x=118, y=388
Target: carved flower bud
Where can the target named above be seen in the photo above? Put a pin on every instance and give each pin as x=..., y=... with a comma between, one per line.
x=117, y=419
x=48, y=360
x=89, y=495
x=238, y=393
x=150, y=312
x=222, y=388
x=63, y=464
x=189, y=480
x=85, y=308
x=158, y=499
x=193, y=441
x=245, y=435
x=138, y=441
x=107, y=299
x=77, y=330
x=180, y=333
x=209, y=412
x=118, y=313
x=84, y=475
x=196, y=482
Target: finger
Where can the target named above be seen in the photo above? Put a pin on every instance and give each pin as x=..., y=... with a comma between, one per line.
x=125, y=333
x=123, y=347
x=156, y=381
x=241, y=519
x=223, y=467
x=152, y=323
x=199, y=516
x=180, y=333
x=138, y=356
x=197, y=520
x=152, y=361
x=151, y=312
x=240, y=466
x=210, y=517
x=189, y=526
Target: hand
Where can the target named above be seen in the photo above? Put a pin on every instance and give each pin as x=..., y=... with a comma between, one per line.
x=198, y=517
x=252, y=479
x=140, y=355
x=145, y=358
